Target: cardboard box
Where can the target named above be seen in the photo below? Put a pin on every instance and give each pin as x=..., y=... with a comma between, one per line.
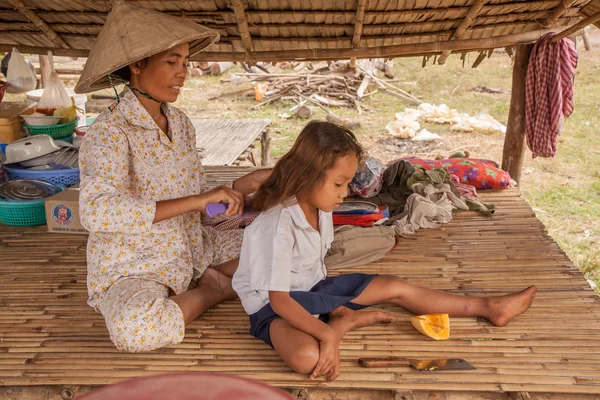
x=11, y=127
x=62, y=212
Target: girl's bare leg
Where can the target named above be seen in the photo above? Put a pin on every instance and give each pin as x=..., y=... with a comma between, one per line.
x=499, y=310
x=300, y=351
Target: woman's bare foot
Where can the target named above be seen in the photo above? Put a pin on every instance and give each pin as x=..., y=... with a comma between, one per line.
x=343, y=319
x=217, y=284
x=502, y=309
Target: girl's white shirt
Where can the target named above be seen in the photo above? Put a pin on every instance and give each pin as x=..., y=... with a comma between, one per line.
x=281, y=252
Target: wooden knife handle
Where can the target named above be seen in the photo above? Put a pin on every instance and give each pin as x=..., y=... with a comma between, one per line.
x=383, y=362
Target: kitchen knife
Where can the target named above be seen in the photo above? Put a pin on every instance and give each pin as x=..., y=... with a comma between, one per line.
x=450, y=364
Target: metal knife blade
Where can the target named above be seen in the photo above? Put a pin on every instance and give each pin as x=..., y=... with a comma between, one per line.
x=451, y=364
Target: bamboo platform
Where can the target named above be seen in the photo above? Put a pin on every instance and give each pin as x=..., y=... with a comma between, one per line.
x=52, y=341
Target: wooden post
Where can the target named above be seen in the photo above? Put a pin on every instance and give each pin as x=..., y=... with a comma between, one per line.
x=45, y=69
x=514, y=141
x=586, y=39
x=265, y=148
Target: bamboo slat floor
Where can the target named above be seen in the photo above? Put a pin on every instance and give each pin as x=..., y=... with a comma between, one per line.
x=51, y=338
x=222, y=141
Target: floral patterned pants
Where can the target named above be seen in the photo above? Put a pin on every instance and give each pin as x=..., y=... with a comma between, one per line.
x=138, y=312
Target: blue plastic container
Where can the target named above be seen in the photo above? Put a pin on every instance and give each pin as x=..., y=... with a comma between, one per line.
x=67, y=177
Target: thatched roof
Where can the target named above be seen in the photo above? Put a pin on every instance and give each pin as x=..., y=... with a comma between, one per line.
x=276, y=30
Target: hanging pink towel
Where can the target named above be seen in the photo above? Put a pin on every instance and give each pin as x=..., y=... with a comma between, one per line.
x=549, y=93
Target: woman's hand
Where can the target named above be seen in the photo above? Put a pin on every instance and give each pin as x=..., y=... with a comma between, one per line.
x=166, y=209
x=223, y=194
x=329, y=359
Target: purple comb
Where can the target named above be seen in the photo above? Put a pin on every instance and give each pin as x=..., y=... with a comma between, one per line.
x=213, y=209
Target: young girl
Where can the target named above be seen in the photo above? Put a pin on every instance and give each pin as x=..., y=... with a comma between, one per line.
x=282, y=280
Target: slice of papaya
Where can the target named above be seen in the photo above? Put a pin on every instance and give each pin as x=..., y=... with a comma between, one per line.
x=436, y=326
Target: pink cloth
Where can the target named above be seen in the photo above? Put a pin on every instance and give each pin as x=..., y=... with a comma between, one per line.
x=229, y=223
x=549, y=93
x=464, y=189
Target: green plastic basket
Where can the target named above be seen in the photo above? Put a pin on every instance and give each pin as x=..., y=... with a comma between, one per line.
x=19, y=213
x=23, y=213
x=54, y=131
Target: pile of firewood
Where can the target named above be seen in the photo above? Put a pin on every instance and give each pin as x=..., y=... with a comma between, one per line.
x=321, y=85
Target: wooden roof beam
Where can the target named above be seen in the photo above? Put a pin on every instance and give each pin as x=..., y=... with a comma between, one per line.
x=393, y=51
x=242, y=23
x=44, y=50
x=358, y=22
x=558, y=12
x=464, y=25
x=33, y=17
x=404, y=50
x=577, y=27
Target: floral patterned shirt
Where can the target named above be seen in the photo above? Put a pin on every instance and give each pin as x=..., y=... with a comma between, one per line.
x=128, y=164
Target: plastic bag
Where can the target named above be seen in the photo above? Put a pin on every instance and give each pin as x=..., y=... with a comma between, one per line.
x=368, y=180
x=404, y=129
x=67, y=114
x=54, y=95
x=425, y=135
x=19, y=76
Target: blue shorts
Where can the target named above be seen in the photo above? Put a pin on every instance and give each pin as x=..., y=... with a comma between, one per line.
x=322, y=299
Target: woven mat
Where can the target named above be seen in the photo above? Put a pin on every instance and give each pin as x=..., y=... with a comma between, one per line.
x=51, y=337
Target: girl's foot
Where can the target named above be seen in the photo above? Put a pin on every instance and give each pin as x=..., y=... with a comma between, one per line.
x=351, y=319
x=502, y=309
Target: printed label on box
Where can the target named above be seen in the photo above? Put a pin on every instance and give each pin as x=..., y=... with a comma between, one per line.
x=62, y=214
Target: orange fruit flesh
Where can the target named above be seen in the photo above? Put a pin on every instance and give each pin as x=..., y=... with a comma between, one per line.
x=435, y=326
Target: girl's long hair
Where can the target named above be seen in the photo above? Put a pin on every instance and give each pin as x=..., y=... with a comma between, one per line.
x=303, y=168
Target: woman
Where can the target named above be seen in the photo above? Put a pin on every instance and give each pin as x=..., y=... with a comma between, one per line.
x=152, y=266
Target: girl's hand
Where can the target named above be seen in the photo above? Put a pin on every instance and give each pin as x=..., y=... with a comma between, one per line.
x=223, y=194
x=329, y=360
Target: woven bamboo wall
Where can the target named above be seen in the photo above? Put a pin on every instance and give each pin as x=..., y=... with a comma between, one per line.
x=283, y=30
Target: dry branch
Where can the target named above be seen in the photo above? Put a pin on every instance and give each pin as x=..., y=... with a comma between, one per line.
x=334, y=119
x=334, y=85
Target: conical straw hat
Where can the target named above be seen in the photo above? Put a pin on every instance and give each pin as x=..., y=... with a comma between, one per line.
x=131, y=34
